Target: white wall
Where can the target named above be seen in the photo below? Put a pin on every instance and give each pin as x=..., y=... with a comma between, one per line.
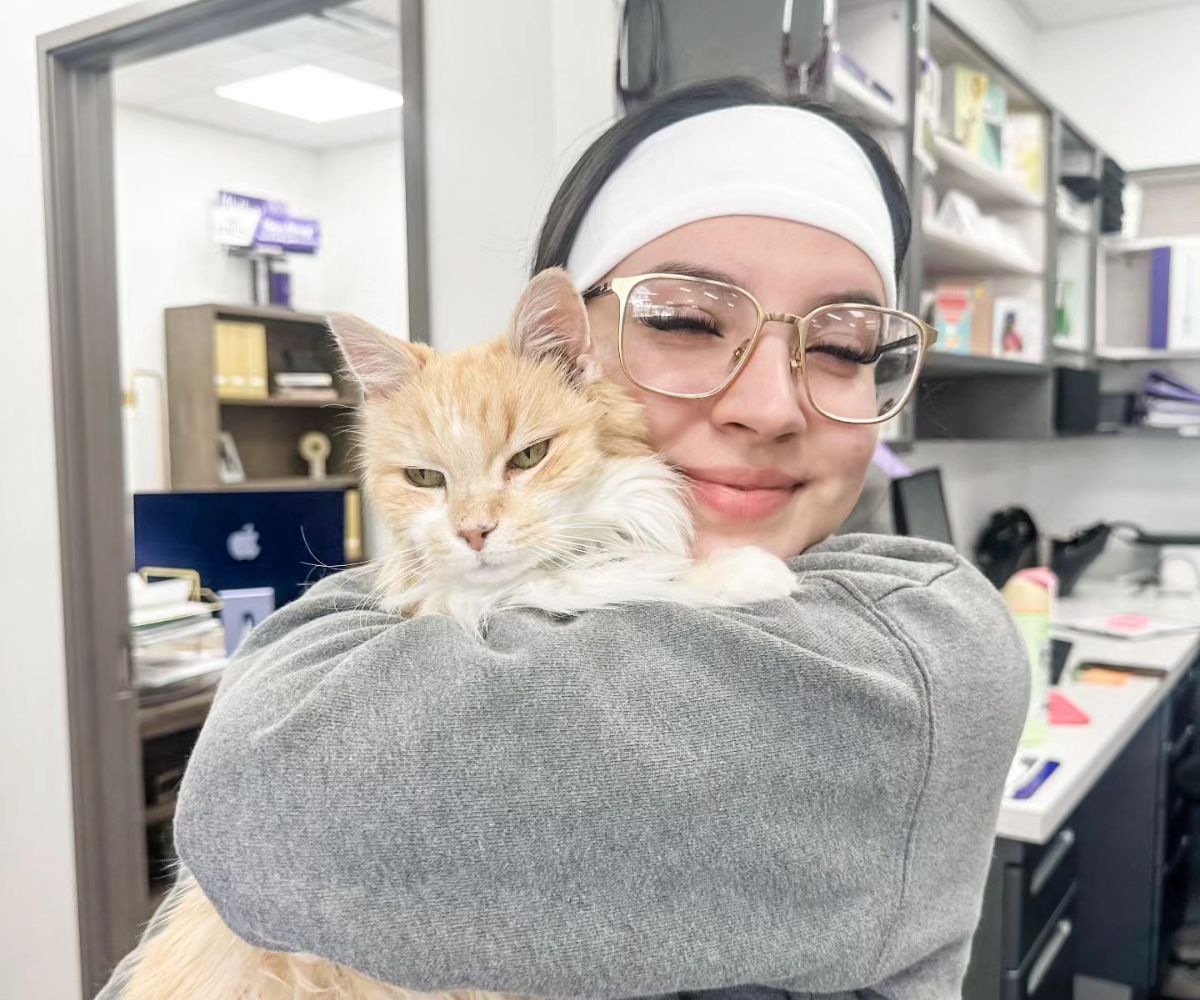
x=1068, y=484
x=1002, y=27
x=38, y=931
x=1132, y=83
x=168, y=173
x=364, y=244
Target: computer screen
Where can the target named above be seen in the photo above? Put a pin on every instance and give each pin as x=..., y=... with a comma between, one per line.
x=243, y=538
x=919, y=506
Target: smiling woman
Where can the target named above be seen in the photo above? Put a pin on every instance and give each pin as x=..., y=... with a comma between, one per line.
x=792, y=798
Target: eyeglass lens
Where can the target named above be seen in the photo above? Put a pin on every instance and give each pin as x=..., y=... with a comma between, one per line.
x=686, y=336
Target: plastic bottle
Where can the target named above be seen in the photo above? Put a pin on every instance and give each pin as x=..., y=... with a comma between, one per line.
x=1030, y=595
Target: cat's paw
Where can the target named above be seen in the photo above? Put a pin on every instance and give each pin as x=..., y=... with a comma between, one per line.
x=741, y=575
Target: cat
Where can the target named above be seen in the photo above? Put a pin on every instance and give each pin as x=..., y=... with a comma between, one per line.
x=508, y=475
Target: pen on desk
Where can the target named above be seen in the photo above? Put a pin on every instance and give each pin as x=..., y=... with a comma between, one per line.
x=1036, y=782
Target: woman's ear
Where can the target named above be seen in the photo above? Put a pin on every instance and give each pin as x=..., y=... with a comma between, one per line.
x=380, y=362
x=551, y=322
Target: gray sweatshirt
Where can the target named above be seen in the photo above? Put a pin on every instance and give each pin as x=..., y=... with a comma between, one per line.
x=655, y=800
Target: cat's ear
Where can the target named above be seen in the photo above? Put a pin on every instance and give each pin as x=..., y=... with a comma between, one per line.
x=551, y=321
x=379, y=361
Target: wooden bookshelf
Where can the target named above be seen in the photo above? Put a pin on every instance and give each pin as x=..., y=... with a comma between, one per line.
x=266, y=431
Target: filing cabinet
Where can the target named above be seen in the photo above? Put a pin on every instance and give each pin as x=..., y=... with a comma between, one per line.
x=1024, y=947
x=1102, y=897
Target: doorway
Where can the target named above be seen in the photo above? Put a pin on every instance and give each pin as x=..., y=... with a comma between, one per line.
x=103, y=94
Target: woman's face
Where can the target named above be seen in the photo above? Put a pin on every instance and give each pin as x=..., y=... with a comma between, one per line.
x=764, y=467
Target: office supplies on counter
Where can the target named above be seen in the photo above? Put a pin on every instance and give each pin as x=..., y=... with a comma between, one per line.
x=1129, y=626
x=1101, y=676
x=1027, y=774
x=1039, y=778
x=1064, y=712
x=1118, y=670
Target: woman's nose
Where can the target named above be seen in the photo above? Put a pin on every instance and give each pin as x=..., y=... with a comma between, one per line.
x=766, y=395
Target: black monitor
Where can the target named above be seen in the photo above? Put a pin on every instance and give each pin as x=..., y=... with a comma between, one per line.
x=919, y=506
x=243, y=538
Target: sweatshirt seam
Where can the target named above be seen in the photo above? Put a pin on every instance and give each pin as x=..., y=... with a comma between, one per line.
x=916, y=798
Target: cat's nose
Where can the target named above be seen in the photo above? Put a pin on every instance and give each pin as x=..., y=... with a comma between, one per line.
x=475, y=537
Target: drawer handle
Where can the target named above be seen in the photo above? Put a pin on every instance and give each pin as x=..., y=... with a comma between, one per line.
x=1054, y=857
x=1185, y=740
x=1181, y=853
x=1062, y=934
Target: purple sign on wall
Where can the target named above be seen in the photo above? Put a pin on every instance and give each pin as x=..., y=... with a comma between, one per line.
x=257, y=224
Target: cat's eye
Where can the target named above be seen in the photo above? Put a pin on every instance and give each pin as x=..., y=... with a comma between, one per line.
x=527, y=458
x=425, y=477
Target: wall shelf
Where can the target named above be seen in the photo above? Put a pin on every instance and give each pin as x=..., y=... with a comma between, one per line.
x=1145, y=354
x=947, y=252
x=859, y=99
x=1069, y=225
x=289, y=401
x=940, y=364
x=987, y=185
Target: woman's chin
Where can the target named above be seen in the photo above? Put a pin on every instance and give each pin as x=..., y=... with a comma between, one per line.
x=709, y=540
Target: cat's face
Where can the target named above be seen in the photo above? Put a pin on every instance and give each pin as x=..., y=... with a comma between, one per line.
x=487, y=462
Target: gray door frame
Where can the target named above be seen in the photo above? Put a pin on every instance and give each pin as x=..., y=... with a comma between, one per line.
x=74, y=66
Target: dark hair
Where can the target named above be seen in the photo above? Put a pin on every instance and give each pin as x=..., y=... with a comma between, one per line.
x=603, y=156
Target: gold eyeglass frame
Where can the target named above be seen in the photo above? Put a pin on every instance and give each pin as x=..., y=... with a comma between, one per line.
x=621, y=287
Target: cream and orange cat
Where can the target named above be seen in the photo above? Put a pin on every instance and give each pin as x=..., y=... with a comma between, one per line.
x=508, y=475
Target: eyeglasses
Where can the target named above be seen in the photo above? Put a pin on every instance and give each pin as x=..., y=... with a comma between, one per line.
x=689, y=338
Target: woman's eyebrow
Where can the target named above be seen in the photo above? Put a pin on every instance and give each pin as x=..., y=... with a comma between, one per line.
x=857, y=296
x=693, y=271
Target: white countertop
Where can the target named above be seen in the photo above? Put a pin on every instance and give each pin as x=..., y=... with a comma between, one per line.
x=1085, y=751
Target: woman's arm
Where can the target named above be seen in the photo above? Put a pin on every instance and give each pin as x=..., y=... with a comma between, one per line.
x=627, y=803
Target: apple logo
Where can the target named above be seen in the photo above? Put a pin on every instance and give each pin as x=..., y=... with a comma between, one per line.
x=243, y=544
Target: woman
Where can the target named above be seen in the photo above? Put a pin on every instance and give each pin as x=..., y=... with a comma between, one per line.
x=753, y=802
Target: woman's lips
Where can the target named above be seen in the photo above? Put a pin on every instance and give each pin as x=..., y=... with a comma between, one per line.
x=742, y=502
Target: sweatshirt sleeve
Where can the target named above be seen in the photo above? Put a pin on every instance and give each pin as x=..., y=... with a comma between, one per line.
x=625, y=803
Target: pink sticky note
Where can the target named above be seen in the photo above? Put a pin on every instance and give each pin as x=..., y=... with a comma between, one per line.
x=1063, y=712
x=1128, y=623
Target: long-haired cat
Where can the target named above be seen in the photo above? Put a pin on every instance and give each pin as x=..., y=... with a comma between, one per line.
x=508, y=475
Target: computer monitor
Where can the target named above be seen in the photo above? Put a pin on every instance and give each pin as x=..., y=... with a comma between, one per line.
x=243, y=538
x=919, y=506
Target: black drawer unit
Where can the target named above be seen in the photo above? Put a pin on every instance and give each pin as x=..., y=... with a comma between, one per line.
x=1048, y=972
x=1102, y=897
x=1037, y=878
x=1024, y=944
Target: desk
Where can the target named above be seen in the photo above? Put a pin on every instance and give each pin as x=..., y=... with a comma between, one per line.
x=1089, y=875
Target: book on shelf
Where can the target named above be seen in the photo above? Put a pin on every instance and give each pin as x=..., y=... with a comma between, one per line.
x=241, y=360
x=303, y=380
x=962, y=315
x=315, y=394
x=1175, y=296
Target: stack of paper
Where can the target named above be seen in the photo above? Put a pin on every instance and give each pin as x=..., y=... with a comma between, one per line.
x=177, y=646
x=1171, y=403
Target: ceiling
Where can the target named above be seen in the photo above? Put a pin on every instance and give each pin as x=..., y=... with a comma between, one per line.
x=1051, y=14
x=360, y=39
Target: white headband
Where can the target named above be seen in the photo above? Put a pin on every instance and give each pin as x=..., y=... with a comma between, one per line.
x=780, y=162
